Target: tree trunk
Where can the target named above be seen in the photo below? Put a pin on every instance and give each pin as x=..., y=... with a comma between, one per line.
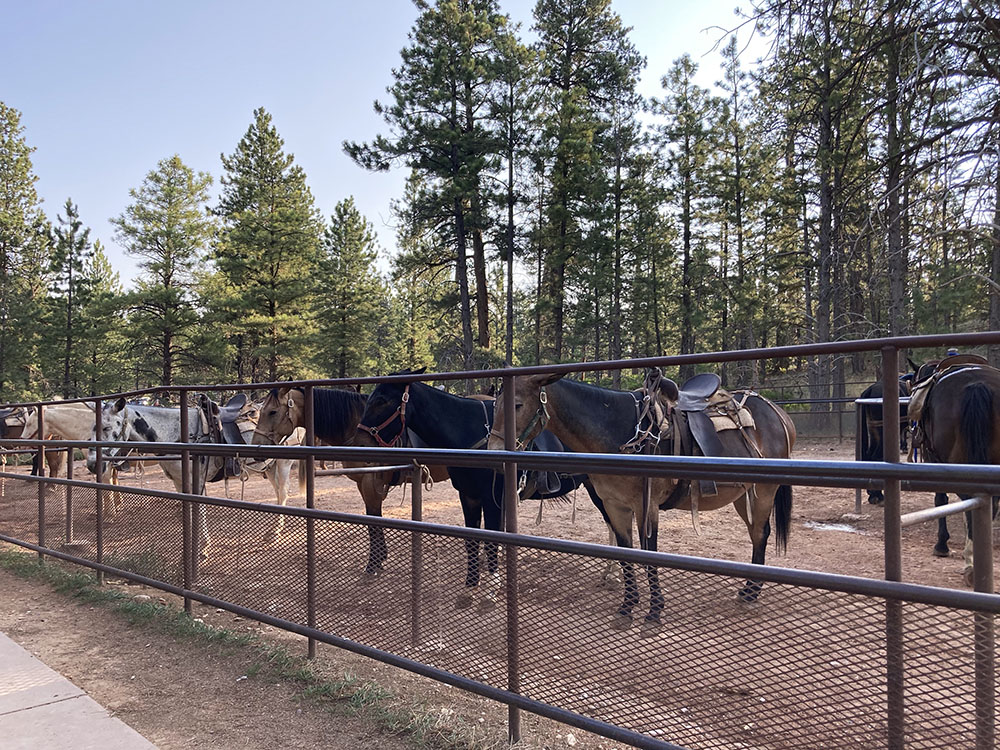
x=897, y=258
x=994, y=351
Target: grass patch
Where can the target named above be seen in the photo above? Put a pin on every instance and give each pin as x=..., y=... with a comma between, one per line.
x=433, y=729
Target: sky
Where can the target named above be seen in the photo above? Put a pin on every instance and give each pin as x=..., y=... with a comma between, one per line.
x=108, y=88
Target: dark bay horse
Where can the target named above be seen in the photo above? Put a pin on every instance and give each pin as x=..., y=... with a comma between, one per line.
x=958, y=423
x=443, y=420
x=591, y=419
x=336, y=414
x=872, y=429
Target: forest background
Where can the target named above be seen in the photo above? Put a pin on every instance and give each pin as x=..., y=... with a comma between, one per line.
x=844, y=186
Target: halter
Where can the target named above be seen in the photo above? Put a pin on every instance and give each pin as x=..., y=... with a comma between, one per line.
x=541, y=416
x=401, y=413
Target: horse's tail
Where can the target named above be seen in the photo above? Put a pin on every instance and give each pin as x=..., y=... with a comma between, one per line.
x=976, y=423
x=866, y=439
x=302, y=476
x=782, y=515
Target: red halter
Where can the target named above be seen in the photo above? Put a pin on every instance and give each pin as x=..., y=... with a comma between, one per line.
x=400, y=412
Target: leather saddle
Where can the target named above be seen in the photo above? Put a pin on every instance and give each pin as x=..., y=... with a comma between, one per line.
x=221, y=424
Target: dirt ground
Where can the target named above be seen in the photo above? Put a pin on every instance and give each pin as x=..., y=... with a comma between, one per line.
x=175, y=696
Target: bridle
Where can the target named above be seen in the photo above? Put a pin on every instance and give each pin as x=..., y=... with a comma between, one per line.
x=401, y=413
x=541, y=416
x=270, y=434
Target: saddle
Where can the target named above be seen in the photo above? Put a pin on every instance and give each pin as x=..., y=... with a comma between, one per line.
x=226, y=424
x=689, y=418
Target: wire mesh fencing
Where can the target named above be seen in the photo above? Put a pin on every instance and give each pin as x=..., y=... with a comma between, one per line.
x=802, y=667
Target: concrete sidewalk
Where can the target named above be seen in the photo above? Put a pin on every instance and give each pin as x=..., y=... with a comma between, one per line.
x=42, y=710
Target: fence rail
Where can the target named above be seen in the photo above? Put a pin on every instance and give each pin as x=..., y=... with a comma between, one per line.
x=803, y=669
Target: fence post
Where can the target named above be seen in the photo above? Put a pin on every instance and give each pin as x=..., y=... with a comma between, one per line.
x=309, y=418
x=69, y=496
x=857, y=451
x=40, y=458
x=416, y=552
x=186, y=517
x=982, y=572
x=99, y=473
x=893, y=557
x=510, y=558
x=198, y=510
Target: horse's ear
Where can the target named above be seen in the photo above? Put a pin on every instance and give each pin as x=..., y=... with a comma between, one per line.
x=547, y=378
x=120, y=404
x=419, y=370
x=913, y=365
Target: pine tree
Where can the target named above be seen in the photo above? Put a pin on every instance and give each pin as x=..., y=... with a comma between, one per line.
x=105, y=343
x=71, y=253
x=267, y=255
x=689, y=111
x=439, y=131
x=24, y=243
x=349, y=300
x=167, y=228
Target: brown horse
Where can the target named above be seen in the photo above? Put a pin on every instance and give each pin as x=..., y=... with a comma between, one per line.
x=957, y=423
x=336, y=414
x=590, y=419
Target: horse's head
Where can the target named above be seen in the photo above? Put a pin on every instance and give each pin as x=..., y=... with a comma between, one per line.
x=115, y=424
x=384, y=418
x=530, y=410
x=282, y=411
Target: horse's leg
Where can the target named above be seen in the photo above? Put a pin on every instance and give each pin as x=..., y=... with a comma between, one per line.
x=967, y=572
x=277, y=474
x=610, y=579
x=473, y=512
x=656, y=600
x=492, y=517
x=941, y=548
x=759, y=527
x=373, y=496
x=620, y=517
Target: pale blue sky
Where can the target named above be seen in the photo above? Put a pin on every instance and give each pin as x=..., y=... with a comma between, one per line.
x=107, y=88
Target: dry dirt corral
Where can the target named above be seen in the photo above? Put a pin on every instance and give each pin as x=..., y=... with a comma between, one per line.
x=177, y=697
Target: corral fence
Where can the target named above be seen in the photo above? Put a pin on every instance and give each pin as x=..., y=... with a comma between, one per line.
x=822, y=660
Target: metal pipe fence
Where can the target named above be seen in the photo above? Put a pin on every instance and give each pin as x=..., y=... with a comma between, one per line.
x=803, y=669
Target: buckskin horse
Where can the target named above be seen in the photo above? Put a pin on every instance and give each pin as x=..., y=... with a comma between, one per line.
x=956, y=411
x=443, y=420
x=591, y=419
x=336, y=414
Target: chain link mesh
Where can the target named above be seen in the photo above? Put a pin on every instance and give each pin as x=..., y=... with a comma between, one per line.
x=799, y=668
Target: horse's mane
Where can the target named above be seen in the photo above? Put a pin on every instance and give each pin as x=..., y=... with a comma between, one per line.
x=337, y=411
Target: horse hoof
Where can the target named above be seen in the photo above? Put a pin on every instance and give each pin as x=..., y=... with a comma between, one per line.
x=370, y=576
x=486, y=604
x=942, y=552
x=464, y=601
x=967, y=576
x=621, y=622
x=650, y=628
x=747, y=595
x=609, y=583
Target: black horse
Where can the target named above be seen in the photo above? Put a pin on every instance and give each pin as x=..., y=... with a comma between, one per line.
x=443, y=420
x=872, y=429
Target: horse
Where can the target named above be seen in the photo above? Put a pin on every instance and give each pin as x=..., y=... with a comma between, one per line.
x=872, y=428
x=956, y=421
x=13, y=425
x=124, y=422
x=443, y=420
x=336, y=414
x=591, y=419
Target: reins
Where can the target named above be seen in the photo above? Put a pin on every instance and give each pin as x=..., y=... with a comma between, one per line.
x=401, y=413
